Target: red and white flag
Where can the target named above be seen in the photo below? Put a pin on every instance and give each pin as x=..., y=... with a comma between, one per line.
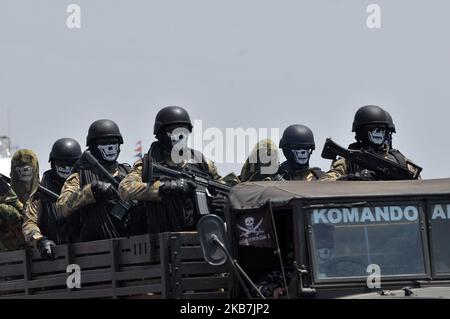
x=138, y=149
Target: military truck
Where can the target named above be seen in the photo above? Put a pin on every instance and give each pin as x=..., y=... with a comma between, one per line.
x=349, y=239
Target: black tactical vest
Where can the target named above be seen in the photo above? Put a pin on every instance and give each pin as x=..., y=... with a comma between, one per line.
x=172, y=213
x=50, y=221
x=288, y=173
x=96, y=222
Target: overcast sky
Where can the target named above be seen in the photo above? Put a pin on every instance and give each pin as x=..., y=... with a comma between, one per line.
x=233, y=63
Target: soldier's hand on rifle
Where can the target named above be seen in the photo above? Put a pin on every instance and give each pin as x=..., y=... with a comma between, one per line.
x=102, y=190
x=218, y=204
x=367, y=175
x=46, y=248
x=180, y=186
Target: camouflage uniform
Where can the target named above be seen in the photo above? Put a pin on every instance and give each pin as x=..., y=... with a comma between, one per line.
x=341, y=167
x=41, y=218
x=11, y=237
x=252, y=170
x=169, y=213
x=73, y=197
x=92, y=218
x=30, y=227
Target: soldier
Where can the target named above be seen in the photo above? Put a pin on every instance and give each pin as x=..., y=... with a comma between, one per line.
x=167, y=203
x=24, y=174
x=261, y=165
x=373, y=127
x=44, y=226
x=11, y=237
x=298, y=144
x=87, y=193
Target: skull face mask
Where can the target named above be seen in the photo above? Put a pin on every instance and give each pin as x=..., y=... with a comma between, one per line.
x=377, y=136
x=109, y=152
x=324, y=237
x=63, y=171
x=324, y=254
x=178, y=137
x=25, y=173
x=301, y=157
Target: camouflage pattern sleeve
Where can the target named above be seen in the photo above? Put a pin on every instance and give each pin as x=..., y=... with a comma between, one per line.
x=212, y=169
x=10, y=215
x=11, y=237
x=11, y=207
x=133, y=188
x=412, y=167
x=338, y=169
x=231, y=179
x=72, y=197
x=30, y=227
x=10, y=198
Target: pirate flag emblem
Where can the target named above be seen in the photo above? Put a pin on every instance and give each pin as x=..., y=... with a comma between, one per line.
x=255, y=229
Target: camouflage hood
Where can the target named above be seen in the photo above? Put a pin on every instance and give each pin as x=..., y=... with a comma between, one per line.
x=24, y=174
x=262, y=163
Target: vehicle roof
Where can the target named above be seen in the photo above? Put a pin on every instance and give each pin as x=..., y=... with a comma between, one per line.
x=256, y=194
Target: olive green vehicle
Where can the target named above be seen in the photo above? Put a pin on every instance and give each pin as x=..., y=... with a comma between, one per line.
x=377, y=239
x=349, y=239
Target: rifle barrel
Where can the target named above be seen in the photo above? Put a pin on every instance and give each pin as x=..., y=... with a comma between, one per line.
x=41, y=188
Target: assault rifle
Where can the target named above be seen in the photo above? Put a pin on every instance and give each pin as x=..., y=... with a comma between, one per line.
x=44, y=191
x=204, y=185
x=120, y=208
x=383, y=168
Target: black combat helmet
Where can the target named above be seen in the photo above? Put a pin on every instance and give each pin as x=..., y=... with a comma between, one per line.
x=369, y=115
x=170, y=115
x=391, y=125
x=103, y=129
x=65, y=149
x=297, y=136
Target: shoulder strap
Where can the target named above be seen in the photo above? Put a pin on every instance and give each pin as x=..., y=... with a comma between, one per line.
x=145, y=168
x=285, y=170
x=196, y=155
x=399, y=157
x=124, y=168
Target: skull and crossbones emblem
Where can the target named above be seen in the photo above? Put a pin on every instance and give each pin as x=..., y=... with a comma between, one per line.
x=250, y=227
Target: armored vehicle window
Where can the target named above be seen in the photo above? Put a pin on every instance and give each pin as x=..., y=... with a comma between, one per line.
x=440, y=225
x=346, y=240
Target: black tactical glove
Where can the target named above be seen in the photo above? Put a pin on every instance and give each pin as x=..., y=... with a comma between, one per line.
x=4, y=187
x=102, y=190
x=218, y=203
x=181, y=187
x=367, y=175
x=46, y=248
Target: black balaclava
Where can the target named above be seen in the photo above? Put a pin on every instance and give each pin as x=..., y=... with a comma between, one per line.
x=173, y=138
